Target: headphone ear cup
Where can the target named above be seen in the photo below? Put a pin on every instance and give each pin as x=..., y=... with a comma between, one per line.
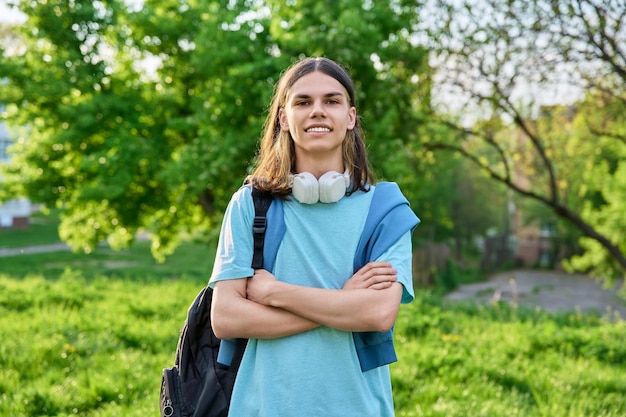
x=305, y=188
x=332, y=187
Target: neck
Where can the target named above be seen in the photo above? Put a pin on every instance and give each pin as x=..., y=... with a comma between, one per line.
x=319, y=166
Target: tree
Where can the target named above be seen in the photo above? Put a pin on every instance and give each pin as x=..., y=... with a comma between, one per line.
x=509, y=64
x=147, y=118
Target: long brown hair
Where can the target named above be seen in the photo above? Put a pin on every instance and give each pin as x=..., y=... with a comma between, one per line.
x=276, y=158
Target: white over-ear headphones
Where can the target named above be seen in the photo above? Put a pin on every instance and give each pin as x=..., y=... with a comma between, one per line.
x=328, y=189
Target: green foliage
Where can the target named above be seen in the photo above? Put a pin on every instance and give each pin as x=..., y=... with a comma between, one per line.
x=610, y=220
x=503, y=67
x=602, y=185
x=464, y=201
x=453, y=275
x=147, y=117
x=124, y=148
x=123, y=145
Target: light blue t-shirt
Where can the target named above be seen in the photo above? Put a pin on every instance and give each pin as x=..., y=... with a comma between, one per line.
x=314, y=373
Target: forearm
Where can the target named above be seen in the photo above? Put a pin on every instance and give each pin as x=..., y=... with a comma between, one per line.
x=233, y=316
x=349, y=310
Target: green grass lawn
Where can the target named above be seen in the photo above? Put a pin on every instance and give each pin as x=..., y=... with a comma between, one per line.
x=88, y=335
x=464, y=360
x=136, y=263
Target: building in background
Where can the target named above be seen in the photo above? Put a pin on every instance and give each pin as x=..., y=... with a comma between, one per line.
x=13, y=213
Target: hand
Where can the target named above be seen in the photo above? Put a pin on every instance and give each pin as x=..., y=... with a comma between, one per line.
x=374, y=275
x=259, y=286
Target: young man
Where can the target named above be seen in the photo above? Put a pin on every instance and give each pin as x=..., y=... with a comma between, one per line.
x=304, y=317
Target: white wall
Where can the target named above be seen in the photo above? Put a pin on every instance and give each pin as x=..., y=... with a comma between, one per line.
x=13, y=209
x=20, y=208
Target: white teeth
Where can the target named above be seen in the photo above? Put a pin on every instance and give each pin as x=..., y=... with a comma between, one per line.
x=318, y=129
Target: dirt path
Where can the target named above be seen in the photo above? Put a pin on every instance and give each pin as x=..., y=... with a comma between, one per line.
x=54, y=247
x=549, y=290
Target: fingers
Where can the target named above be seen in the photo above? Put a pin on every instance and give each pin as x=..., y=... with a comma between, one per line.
x=380, y=271
x=374, y=275
x=381, y=285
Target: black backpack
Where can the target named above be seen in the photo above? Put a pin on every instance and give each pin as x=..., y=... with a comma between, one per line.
x=197, y=385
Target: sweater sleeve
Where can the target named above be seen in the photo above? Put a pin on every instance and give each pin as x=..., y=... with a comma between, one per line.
x=400, y=256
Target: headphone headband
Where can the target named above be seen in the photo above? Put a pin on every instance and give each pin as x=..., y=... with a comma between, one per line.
x=330, y=187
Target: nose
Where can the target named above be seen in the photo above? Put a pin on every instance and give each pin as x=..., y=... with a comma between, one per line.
x=317, y=109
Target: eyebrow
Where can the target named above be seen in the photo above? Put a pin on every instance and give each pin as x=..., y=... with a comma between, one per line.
x=331, y=94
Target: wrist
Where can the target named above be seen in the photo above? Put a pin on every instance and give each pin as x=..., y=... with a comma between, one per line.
x=274, y=294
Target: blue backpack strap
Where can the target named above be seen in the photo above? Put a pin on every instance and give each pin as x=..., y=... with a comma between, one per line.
x=274, y=233
x=268, y=229
x=388, y=219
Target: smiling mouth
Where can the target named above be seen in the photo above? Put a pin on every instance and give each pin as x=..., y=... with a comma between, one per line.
x=318, y=130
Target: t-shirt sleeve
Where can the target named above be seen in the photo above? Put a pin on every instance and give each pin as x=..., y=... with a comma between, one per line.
x=233, y=258
x=400, y=255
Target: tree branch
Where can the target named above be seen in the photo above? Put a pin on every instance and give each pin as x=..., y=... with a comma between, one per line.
x=504, y=104
x=487, y=138
x=612, y=135
x=604, y=54
x=560, y=210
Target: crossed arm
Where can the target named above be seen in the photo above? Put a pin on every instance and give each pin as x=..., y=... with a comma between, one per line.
x=263, y=307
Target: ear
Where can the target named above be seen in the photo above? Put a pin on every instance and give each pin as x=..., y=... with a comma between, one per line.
x=351, y=118
x=282, y=118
